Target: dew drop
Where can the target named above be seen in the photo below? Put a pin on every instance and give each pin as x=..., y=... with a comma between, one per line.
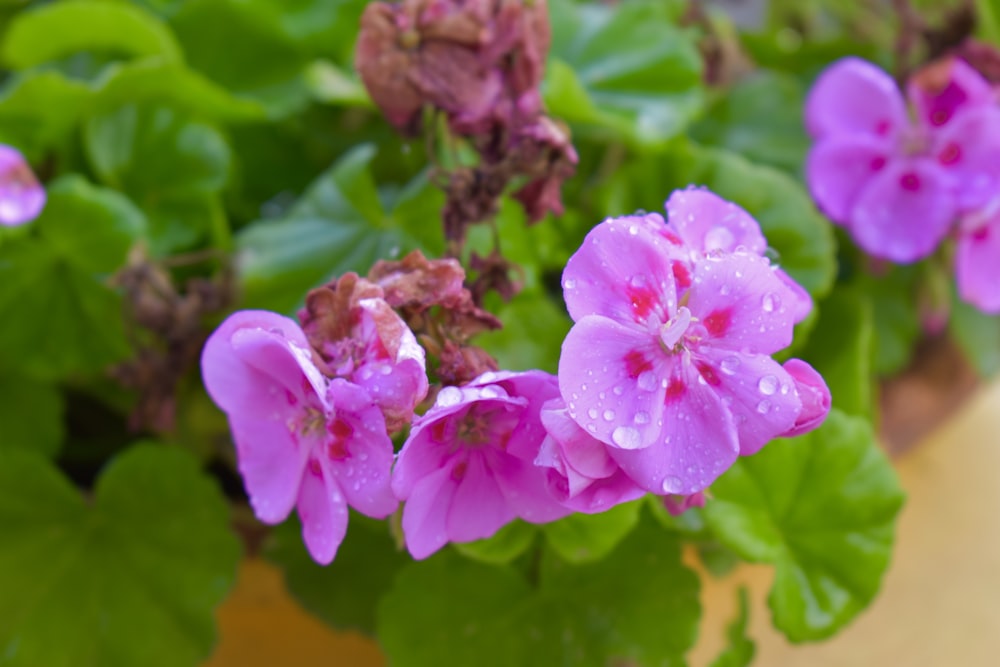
x=768, y=385
x=646, y=381
x=491, y=391
x=672, y=484
x=592, y=413
x=764, y=407
x=633, y=230
x=730, y=365
x=569, y=284
x=449, y=396
x=609, y=415
x=641, y=418
x=385, y=369
x=617, y=391
x=625, y=437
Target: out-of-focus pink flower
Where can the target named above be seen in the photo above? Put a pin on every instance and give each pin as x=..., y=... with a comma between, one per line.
x=468, y=468
x=22, y=197
x=896, y=185
x=977, y=258
x=581, y=475
x=677, y=505
x=669, y=361
x=815, y=395
x=301, y=440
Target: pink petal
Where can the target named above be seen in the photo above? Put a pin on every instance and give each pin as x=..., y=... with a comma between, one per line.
x=757, y=390
x=814, y=394
x=968, y=150
x=425, y=513
x=802, y=304
x=620, y=272
x=358, y=450
x=741, y=304
x=943, y=90
x=853, y=96
x=838, y=168
x=271, y=462
x=525, y=489
x=611, y=379
x=905, y=212
x=977, y=266
x=578, y=451
x=238, y=382
x=698, y=441
x=478, y=509
x=535, y=388
x=323, y=513
x=677, y=505
x=707, y=222
x=22, y=197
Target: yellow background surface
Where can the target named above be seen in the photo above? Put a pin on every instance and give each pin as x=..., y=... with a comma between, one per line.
x=939, y=607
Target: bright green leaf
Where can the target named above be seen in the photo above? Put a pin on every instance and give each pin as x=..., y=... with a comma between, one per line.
x=55, y=30
x=822, y=509
x=31, y=415
x=507, y=544
x=344, y=593
x=533, y=332
x=580, y=538
x=39, y=110
x=893, y=294
x=130, y=579
x=627, y=71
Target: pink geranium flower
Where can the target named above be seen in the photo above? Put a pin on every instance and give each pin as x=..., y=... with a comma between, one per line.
x=898, y=184
x=977, y=258
x=302, y=440
x=670, y=365
x=468, y=468
x=21, y=195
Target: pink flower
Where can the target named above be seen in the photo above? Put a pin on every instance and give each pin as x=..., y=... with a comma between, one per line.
x=302, y=440
x=977, y=258
x=670, y=365
x=898, y=185
x=21, y=195
x=815, y=395
x=581, y=474
x=468, y=466
x=677, y=505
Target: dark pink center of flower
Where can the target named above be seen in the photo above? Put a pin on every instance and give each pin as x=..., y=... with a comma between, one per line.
x=636, y=364
x=940, y=117
x=981, y=234
x=643, y=299
x=314, y=468
x=877, y=163
x=340, y=431
x=717, y=322
x=910, y=182
x=950, y=155
x=882, y=127
x=458, y=472
x=675, y=390
x=681, y=274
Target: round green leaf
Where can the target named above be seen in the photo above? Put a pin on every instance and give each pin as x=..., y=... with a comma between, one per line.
x=130, y=579
x=580, y=538
x=31, y=415
x=507, y=544
x=822, y=508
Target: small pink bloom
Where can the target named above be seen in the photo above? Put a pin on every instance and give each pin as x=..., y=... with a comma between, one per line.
x=670, y=366
x=815, y=395
x=582, y=475
x=21, y=195
x=677, y=505
x=897, y=185
x=302, y=441
x=977, y=258
x=468, y=468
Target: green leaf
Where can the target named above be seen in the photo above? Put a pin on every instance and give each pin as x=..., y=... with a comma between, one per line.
x=988, y=20
x=626, y=70
x=580, y=538
x=38, y=111
x=637, y=606
x=741, y=648
x=69, y=320
x=342, y=223
x=56, y=30
x=130, y=579
x=31, y=415
x=534, y=326
x=801, y=237
x=332, y=85
x=506, y=544
x=893, y=294
x=841, y=346
x=978, y=335
x=344, y=593
x=759, y=118
x=821, y=508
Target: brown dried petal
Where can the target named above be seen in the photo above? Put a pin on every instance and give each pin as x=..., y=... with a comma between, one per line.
x=416, y=282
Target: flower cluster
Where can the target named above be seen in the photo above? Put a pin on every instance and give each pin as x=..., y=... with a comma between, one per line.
x=665, y=378
x=21, y=195
x=900, y=179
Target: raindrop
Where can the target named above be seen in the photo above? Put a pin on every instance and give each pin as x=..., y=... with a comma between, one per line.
x=672, y=484
x=647, y=381
x=730, y=365
x=609, y=415
x=592, y=413
x=768, y=385
x=770, y=302
x=569, y=284
x=626, y=437
x=764, y=407
x=449, y=396
x=641, y=418
x=618, y=391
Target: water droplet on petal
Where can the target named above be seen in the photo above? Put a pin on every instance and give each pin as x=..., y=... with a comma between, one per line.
x=770, y=302
x=646, y=381
x=569, y=284
x=626, y=437
x=449, y=396
x=672, y=484
x=730, y=365
x=633, y=230
x=592, y=413
x=609, y=415
x=768, y=385
x=641, y=418
x=617, y=391
x=764, y=407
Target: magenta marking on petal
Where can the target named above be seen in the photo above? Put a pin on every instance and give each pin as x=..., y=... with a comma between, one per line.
x=883, y=127
x=951, y=154
x=877, y=163
x=681, y=274
x=910, y=182
x=708, y=373
x=636, y=364
x=314, y=468
x=718, y=321
x=675, y=390
x=643, y=300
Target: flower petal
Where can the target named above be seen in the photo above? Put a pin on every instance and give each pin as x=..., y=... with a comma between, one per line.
x=853, y=96
x=22, y=197
x=968, y=150
x=359, y=452
x=478, y=509
x=945, y=89
x=525, y=489
x=620, y=272
x=323, y=513
x=758, y=392
x=271, y=461
x=698, y=441
x=426, y=511
x=611, y=379
x=814, y=394
x=977, y=266
x=904, y=212
x=741, y=304
x=707, y=222
x=838, y=168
